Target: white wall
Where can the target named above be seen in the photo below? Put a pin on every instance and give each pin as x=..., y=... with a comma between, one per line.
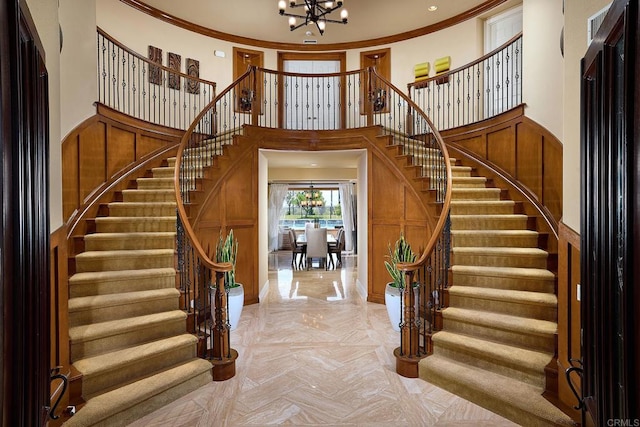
x=45, y=17
x=78, y=59
x=263, y=224
x=576, y=13
x=138, y=30
x=543, y=63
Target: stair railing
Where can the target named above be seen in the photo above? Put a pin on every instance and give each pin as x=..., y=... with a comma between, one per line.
x=147, y=90
x=480, y=90
x=267, y=98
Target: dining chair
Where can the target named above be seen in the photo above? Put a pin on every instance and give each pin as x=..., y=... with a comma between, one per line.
x=337, y=248
x=317, y=246
x=297, y=249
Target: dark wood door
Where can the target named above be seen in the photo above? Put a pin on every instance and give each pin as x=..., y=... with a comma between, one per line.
x=24, y=250
x=610, y=220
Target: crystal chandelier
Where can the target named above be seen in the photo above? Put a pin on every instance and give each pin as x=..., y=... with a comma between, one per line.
x=315, y=11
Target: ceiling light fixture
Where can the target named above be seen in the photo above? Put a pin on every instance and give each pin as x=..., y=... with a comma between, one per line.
x=432, y=8
x=315, y=12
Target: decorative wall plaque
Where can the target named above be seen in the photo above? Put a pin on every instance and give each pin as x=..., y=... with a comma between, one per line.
x=174, y=62
x=155, y=73
x=193, y=70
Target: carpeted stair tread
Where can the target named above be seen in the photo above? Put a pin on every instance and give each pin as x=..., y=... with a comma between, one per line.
x=489, y=238
x=108, y=371
x=155, y=183
x=118, y=276
x=135, y=195
x=512, y=356
x=124, y=259
x=512, y=399
x=489, y=222
x=122, y=224
x=469, y=181
x=142, y=208
x=130, y=240
x=531, y=273
x=501, y=321
x=522, y=297
x=131, y=402
x=98, y=308
x=484, y=193
x=115, y=327
x=500, y=256
x=164, y=172
x=482, y=207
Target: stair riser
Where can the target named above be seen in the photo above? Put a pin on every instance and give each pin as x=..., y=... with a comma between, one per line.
x=83, y=289
x=519, y=338
x=494, y=241
x=429, y=171
x=105, y=381
x=141, y=262
x=488, y=223
x=478, y=209
x=129, y=244
x=122, y=209
x=536, y=379
x=139, y=196
x=132, y=309
x=91, y=347
x=155, y=183
x=163, y=172
x=475, y=194
x=498, y=282
x=135, y=226
x=532, y=311
x=490, y=260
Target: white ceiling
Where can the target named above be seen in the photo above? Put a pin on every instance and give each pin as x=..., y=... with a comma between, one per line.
x=347, y=159
x=259, y=19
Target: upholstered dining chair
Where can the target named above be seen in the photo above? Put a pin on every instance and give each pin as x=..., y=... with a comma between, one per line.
x=317, y=246
x=297, y=249
x=337, y=248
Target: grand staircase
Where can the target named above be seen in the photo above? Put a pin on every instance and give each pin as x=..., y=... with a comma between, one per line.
x=499, y=331
x=128, y=338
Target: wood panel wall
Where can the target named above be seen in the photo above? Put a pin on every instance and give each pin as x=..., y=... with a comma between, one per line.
x=569, y=322
x=520, y=147
x=393, y=209
x=102, y=146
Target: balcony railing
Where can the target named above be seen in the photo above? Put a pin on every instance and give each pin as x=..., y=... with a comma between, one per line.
x=139, y=87
x=480, y=90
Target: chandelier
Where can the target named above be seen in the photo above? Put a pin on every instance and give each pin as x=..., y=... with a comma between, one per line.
x=315, y=11
x=312, y=199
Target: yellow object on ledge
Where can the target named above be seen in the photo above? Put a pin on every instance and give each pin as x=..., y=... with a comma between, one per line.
x=421, y=70
x=442, y=64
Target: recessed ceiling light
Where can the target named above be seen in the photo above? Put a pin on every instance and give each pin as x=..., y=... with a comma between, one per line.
x=314, y=164
x=432, y=8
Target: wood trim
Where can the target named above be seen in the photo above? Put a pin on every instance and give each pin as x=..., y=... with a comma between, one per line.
x=569, y=320
x=179, y=22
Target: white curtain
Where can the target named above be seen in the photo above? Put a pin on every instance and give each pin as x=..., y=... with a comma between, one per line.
x=347, y=201
x=277, y=193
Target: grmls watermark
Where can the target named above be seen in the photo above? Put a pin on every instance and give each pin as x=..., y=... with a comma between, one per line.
x=619, y=422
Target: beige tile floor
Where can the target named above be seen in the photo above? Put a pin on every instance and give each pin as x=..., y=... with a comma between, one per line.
x=315, y=353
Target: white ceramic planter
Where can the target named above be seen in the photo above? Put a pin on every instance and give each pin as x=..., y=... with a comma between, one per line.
x=392, y=301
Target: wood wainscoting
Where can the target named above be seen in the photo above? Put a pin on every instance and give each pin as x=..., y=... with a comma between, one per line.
x=101, y=147
x=568, y=313
x=520, y=147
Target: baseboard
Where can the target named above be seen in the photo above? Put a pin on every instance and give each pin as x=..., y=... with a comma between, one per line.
x=362, y=290
x=264, y=290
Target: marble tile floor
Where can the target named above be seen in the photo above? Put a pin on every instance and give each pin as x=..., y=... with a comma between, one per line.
x=314, y=353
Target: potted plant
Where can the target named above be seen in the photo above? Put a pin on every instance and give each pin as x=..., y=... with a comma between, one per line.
x=400, y=253
x=227, y=251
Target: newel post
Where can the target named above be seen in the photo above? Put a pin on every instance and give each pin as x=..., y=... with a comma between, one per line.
x=408, y=354
x=222, y=356
x=255, y=99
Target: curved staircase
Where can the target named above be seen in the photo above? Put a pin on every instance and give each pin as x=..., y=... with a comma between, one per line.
x=128, y=338
x=499, y=330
